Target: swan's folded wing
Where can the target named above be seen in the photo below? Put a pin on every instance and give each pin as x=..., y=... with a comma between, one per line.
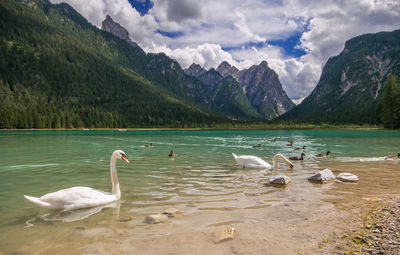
x=252, y=161
x=77, y=197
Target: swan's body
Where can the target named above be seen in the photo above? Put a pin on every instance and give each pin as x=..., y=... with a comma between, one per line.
x=83, y=197
x=256, y=162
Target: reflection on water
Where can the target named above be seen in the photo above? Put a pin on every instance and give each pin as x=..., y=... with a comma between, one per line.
x=203, y=182
x=75, y=215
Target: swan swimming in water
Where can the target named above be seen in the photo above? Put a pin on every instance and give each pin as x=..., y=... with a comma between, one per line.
x=256, y=162
x=83, y=197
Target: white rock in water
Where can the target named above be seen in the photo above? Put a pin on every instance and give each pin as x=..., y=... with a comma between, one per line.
x=348, y=177
x=279, y=179
x=224, y=235
x=322, y=176
x=171, y=211
x=156, y=218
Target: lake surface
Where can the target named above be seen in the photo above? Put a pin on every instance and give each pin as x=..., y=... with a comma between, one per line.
x=203, y=182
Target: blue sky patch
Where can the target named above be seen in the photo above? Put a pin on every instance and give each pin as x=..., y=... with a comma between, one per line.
x=289, y=45
x=142, y=6
x=170, y=34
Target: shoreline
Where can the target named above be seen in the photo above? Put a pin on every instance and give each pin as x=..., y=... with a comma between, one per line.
x=206, y=129
x=374, y=231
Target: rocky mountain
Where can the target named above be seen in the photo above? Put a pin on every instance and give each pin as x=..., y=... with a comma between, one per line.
x=260, y=84
x=116, y=29
x=261, y=98
x=227, y=94
x=351, y=83
x=264, y=90
x=225, y=69
x=195, y=70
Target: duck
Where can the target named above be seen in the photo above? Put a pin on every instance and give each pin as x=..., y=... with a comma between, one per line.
x=393, y=156
x=83, y=197
x=171, y=154
x=257, y=146
x=148, y=145
x=290, y=143
x=256, y=162
x=323, y=155
x=304, y=147
x=298, y=158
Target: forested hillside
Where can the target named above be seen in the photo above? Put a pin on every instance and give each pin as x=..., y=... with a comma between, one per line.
x=57, y=70
x=352, y=83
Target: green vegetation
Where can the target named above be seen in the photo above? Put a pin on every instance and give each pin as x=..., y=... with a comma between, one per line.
x=58, y=71
x=388, y=109
x=351, y=84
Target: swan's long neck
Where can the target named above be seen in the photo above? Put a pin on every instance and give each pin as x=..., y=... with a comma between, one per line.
x=275, y=160
x=114, y=177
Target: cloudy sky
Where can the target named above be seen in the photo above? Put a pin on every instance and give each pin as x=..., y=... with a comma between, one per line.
x=296, y=38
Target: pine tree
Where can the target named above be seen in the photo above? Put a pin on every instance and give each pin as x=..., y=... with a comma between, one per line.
x=388, y=109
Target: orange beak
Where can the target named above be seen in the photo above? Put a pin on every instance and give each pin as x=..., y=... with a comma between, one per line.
x=125, y=159
x=291, y=167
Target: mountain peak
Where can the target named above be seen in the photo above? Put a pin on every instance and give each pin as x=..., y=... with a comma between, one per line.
x=226, y=69
x=264, y=63
x=109, y=25
x=195, y=70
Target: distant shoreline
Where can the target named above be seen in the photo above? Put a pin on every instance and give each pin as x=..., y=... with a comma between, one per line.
x=323, y=127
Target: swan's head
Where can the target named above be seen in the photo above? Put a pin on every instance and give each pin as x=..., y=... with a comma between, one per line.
x=291, y=166
x=121, y=155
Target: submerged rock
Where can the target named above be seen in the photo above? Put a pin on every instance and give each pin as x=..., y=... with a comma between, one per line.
x=279, y=179
x=347, y=177
x=224, y=235
x=156, y=218
x=322, y=176
x=125, y=218
x=171, y=211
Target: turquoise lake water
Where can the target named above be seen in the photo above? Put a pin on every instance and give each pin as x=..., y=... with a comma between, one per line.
x=202, y=178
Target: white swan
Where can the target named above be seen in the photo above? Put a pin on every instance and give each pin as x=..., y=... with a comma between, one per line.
x=256, y=162
x=83, y=197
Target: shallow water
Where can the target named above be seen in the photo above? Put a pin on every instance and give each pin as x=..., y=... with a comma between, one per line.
x=203, y=182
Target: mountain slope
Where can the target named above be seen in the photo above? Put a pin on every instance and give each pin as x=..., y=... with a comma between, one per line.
x=227, y=95
x=351, y=83
x=57, y=70
x=263, y=88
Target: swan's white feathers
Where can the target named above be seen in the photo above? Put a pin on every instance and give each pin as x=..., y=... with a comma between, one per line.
x=251, y=161
x=77, y=197
x=256, y=162
x=83, y=197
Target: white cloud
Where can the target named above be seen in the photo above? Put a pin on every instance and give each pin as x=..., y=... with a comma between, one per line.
x=207, y=55
x=209, y=26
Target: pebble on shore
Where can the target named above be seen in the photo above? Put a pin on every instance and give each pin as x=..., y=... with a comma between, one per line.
x=384, y=236
x=380, y=234
x=156, y=218
x=224, y=235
